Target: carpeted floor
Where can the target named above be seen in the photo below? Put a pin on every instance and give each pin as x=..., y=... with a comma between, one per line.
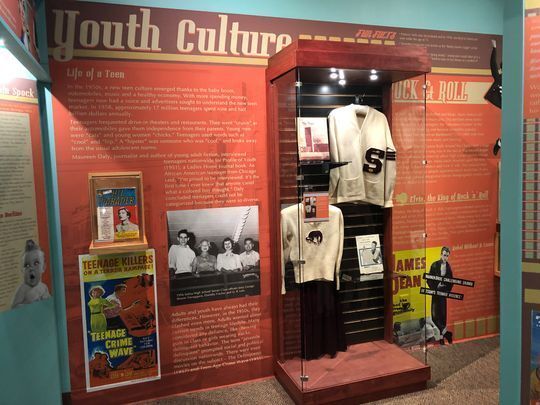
x=464, y=373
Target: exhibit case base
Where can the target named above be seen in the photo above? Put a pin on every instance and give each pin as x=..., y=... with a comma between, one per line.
x=365, y=372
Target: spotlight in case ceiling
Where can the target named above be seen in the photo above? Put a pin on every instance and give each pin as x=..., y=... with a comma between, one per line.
x=373, y=77
x=333, y=70
x=325, y=89
x=333, y=75
x=373, y=72
x=343, y=82
x=341, y=74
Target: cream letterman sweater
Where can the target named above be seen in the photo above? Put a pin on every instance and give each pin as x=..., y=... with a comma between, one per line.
x=320, y=244
x=360, y=135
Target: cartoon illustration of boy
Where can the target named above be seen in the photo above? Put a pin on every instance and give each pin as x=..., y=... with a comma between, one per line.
x=33, y=267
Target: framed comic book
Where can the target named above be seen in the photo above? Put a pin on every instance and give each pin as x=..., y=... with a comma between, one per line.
x=117, y=212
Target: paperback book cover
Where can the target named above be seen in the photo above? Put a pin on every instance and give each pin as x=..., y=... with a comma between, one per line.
x=117, y=214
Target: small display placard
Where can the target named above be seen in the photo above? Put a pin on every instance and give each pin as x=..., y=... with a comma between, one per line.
x=316, y=207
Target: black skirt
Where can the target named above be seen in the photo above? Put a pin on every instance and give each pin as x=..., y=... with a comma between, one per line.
x=323, y=331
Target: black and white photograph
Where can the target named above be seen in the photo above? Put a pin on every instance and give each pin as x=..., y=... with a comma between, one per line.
x=213, y=254
x=369, y=254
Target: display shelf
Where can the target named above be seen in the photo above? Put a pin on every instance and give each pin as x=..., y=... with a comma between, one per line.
x=326, y=166
x=105, y=248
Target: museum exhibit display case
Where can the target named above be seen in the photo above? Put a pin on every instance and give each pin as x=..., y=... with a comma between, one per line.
x=347, y=153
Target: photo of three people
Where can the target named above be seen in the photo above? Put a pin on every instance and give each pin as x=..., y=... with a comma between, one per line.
x=213, y=254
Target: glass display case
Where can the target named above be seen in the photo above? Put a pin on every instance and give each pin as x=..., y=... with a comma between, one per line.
x=347, y=137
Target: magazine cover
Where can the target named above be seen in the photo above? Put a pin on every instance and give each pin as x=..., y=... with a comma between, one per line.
x=117, y=214
x=535, y=358
x=312, y=139
x=118, y=298
x=369, y=254
x=316, y=207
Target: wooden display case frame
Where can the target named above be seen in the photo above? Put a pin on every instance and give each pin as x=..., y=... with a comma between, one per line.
x=103, y=180
x=497, y=263
x=396, y=63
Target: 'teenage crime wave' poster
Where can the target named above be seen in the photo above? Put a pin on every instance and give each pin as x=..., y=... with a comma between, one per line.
x=118, y=296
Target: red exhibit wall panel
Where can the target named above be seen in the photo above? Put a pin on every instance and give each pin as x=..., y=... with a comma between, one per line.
x=199, y=140
x=453, y=202
x=462, y=195
x=23, y=209
x=180, y=95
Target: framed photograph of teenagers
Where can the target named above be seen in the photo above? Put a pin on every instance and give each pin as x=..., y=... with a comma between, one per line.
x=116, y=206
x=213, y=254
